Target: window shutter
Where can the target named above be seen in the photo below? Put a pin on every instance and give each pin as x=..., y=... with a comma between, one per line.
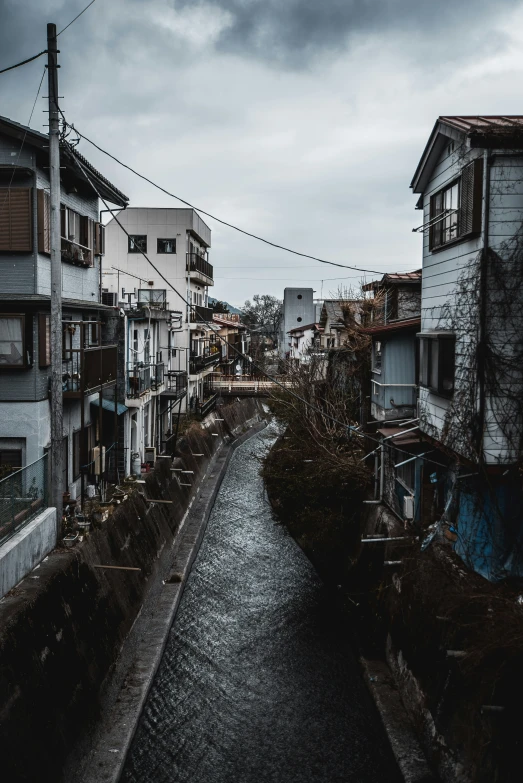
x=44, y=221
x=471, y=197
x=16, y=229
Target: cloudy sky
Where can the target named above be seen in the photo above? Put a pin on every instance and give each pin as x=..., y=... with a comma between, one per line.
x=300, y=120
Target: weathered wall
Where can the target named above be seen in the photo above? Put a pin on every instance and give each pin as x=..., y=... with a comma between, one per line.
x=63, y=626
x=21, y=553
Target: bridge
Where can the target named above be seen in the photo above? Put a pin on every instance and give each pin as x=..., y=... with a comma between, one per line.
x=245, y=385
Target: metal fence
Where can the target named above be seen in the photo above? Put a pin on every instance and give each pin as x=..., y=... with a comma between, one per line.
x=23, y=495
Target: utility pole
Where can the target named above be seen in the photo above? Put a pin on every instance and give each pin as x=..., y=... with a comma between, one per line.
x=57, y=488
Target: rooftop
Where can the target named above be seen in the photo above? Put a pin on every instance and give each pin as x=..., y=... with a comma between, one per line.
x=41, y=141
x=394, y=277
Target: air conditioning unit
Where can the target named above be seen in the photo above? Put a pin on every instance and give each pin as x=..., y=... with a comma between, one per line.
x=98, y=457
x=150, y=454
x=408, y=507
x=110, y=298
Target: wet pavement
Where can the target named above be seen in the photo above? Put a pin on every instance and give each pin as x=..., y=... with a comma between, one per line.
x=258, y=682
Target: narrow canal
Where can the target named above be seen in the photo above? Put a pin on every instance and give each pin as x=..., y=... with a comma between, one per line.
x=258, y=682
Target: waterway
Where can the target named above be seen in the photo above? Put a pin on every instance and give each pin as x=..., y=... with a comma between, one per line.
x=258, y=682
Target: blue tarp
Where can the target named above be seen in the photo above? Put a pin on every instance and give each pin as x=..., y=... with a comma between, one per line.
x=108, y=405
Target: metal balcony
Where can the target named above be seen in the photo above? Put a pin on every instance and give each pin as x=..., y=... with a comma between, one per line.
x=200, y=315
x=138, y=379
x=200, y=269
x=198, y=363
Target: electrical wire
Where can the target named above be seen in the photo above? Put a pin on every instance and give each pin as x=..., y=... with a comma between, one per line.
x=29, y=60
x=204, y=322
x=23, y=139
x=76, y=17
x=213, y=217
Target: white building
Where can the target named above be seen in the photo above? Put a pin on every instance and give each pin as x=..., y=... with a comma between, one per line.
x=169, y=345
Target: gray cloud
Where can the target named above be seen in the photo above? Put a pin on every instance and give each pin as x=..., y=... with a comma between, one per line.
x=290, y=32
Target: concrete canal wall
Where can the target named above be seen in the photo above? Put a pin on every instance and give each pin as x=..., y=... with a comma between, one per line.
x=63, y=626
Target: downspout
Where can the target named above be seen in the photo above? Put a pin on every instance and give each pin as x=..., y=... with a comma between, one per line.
x=482, y=326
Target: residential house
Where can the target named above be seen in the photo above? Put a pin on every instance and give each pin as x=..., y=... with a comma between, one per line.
x=89, y=363
x=234, y=340
x=470, y=186
x=170, y=342
x=304, y=342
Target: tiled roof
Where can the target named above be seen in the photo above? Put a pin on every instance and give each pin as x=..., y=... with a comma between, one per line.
x=41, y=140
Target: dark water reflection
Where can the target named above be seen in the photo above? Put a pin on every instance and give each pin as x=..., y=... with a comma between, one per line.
x=258, y=682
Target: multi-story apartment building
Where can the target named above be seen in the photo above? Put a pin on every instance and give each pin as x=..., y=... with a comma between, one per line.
x=89, y=364
x=170, y=344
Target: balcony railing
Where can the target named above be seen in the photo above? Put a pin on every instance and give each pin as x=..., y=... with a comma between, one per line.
x=201, y=314
x=138, y=379
x=86, y=370
x=196, y=263
x=197, y=363
x=175, y=383
x=77, y=254
x=23, y=495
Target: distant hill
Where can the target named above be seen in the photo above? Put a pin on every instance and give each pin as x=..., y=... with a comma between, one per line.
x=232, y=309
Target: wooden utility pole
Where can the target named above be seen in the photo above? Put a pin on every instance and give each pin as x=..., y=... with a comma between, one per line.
x=57, y=488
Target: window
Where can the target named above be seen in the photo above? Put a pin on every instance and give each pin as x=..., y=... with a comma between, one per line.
x=437, y=362
x=166, y=246
x=76, y=454
x=455, y=210
x=12, y=347
x=137, y=243
x=376, y=356
x=10, y=460
x=16, y=219
x=44, y=340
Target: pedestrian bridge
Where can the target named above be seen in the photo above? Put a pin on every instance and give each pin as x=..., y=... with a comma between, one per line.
x=245, y=386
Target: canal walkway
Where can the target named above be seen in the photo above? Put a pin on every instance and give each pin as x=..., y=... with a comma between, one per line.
x=258, y=683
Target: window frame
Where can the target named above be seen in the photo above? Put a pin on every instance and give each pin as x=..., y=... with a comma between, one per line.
x=469, y=207
x=427, y=372
x=25, y=363
x=132, y=246
x=165, y=252
x=375, y=353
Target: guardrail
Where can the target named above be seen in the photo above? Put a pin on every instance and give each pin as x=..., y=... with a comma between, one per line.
x=23, y=495
x=196, y=263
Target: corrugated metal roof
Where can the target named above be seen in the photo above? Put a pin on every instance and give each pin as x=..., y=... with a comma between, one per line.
x=394, y=277
x=408, y=323
x=491, y=123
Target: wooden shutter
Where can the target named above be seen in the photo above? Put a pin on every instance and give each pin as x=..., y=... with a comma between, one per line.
x=471, y=197
x=16, y=219
x=44, y=221
x=99, y=239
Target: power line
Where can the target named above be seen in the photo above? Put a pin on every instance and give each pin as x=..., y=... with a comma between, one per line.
x=24, y=138
x=76, y=17
x=29, y=60
x=213, y=217
x=238, y=352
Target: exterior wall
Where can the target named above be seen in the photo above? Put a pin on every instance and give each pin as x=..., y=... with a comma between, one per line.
x=296, y=311
x=398, y=366
x=409, y=302
x=21, y=553
x=27, y=420
x=441, y=290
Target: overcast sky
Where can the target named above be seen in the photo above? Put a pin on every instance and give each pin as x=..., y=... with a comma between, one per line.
x=300, y=120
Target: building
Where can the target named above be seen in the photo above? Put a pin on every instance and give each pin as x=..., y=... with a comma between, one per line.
x=298, y=308
x=304, y=341
x=89, y=362
x=234, y=340
x=170, y=343
x=464, y=473
x=394, y=322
